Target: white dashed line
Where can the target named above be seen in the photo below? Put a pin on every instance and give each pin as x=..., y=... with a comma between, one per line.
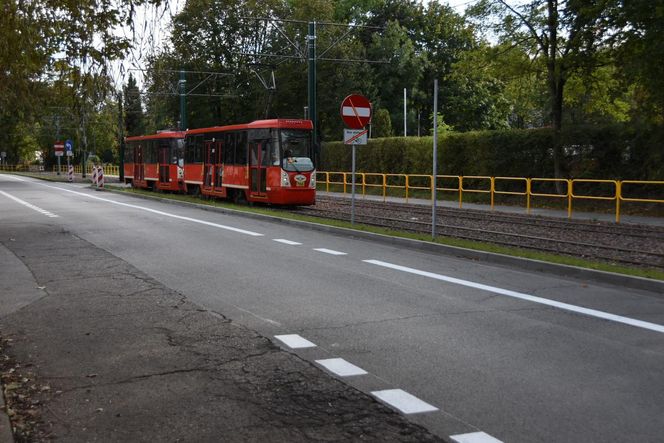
x=286, y=242
x=29, y=205
x=527, y=297
x=474, y=437
x=403, y=401
x=330, y=251
x=294, y=341
x=341, y=367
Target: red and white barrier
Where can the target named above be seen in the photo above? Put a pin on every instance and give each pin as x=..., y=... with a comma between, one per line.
x=94, y=175
x=100, y=177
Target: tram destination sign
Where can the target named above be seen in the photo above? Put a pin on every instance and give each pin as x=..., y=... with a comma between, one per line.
x=356, y=111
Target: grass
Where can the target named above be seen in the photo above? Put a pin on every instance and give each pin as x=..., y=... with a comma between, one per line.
x=652, y=273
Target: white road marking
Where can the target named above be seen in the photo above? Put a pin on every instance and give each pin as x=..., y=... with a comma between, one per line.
x=544, y=301
x=154, y=211
x=341, y=367
x=295, y=341
x=330, y=251
x=474, y=437
x=403, y=401
x=29, y=205
x=286, y=242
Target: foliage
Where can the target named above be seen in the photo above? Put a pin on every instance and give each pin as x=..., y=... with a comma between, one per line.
x=133, y=119
x=598, y=151
x=381, y=124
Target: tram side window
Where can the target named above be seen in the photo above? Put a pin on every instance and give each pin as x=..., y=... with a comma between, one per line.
x=129, y=152
x=147, y=153
x=241, y=148
x=177, y=151
x=229, y=148
x=194, y=149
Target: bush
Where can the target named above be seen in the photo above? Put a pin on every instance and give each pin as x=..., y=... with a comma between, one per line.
x=600, y=152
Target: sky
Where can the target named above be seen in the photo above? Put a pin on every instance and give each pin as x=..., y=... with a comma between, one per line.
x=151, y=31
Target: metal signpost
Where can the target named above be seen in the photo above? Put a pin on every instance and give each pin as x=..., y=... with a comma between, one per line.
x=356, y=114
x=435, y=159
x=59, y=148
x=69, y=147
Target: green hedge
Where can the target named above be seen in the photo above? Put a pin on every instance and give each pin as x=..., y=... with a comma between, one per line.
x=600, y=152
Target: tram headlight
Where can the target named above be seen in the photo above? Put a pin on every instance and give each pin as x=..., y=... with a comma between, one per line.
x=312, y=180
x=285, y=180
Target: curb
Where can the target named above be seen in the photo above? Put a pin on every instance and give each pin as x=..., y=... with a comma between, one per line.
x=6, y=434
x=526, y=264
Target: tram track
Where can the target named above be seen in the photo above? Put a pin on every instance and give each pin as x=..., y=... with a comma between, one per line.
x=634, y=245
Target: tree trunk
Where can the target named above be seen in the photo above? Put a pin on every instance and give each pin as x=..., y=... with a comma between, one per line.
x=556, y=79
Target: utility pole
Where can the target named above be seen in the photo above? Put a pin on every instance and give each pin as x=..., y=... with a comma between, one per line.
x=84, y=144
x=183, y=102
x=121, y=137
x=313, y=112
x=57, y=138
x=405, y=114
x=434, y=194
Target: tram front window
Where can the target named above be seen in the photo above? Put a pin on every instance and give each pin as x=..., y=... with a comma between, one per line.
x=295, y=148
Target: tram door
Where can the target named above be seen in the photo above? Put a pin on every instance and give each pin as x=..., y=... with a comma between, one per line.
x=208, y=171
x=258, y=172
x=164, y=162
x=219, y=167
x=138, y=163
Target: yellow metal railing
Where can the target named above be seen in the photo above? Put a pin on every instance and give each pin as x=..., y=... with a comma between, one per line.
x=566, y=190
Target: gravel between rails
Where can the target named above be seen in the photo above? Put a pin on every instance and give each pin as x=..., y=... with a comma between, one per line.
x=635, y=245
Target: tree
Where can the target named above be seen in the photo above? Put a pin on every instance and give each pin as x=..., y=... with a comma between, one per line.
x=133, y=118
x=639, y=44
x=560, y=37
x=381, y=124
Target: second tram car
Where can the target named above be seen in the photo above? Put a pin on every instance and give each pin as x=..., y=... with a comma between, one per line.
x=264, y=161
x=155, y=161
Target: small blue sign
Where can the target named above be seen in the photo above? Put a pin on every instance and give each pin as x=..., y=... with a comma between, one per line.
x=69, y=145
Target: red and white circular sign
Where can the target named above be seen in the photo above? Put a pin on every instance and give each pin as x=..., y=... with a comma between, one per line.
x=356, y=111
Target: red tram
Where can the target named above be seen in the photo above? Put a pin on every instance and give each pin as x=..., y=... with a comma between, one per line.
x=263, y=161
x=155, y=161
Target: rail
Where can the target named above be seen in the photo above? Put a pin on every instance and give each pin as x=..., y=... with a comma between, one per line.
x=569, y=191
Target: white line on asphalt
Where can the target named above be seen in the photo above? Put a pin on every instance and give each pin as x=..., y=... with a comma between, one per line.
x=29, y=205
x=403, y=401
x=295, y=341
x=474, y=437
x=330, y=251
x=286, y=242
x=341, y=367
x=544, y=301
x=154, y=211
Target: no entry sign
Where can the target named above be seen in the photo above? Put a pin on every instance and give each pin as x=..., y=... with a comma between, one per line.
x=356, y=111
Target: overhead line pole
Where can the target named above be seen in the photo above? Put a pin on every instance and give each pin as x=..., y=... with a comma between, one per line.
x=183, y=102
x=313, y=112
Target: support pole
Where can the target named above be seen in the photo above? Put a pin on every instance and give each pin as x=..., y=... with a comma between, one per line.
x=121, y=137
x=434, y=197
x=352, y=200
x=313, y=111
x=405, y=114
x=183, y=102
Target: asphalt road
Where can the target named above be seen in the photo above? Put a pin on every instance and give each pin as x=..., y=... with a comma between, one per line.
x=519, y=356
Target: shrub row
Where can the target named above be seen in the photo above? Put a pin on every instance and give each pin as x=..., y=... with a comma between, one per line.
x=617, y=152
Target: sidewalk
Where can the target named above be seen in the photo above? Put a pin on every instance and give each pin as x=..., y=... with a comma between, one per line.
x=102, y=352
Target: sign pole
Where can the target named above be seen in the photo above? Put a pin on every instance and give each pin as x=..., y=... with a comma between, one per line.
x=434, y=196
x=352, y=199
